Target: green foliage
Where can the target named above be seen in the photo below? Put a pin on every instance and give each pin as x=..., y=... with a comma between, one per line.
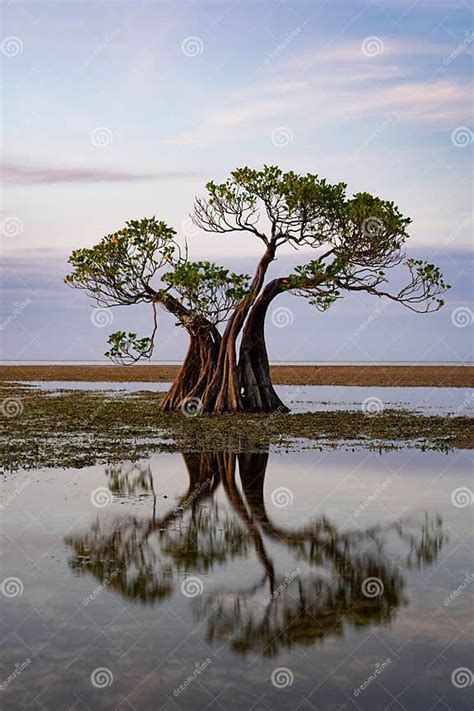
x=314, y=282
x=118, y=269
x=308, y=273
x=299, y=209
x=127, y=347
x=427, y=283
x=289, y=192
x=371, y=230
x=207, y=290
x=305, y=210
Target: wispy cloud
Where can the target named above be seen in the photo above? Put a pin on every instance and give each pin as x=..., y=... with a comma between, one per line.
x=338, y=83
x=357, y=52
x=252, y=105
x=18, y=174
x=431, y=101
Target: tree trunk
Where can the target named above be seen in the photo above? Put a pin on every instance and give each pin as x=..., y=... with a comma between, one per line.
x=227, y=467
x=223, y=391
x=210, y=372
x=258, y=393
x=197, y=369
x=252, y=470
x=223, y=394
x=204, y=475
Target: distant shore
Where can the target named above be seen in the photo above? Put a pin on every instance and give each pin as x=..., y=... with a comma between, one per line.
x=349, y=375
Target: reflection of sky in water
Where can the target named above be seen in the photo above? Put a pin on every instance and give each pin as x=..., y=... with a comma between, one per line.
x=336, y=397
x=344, y=517
x=313, y=398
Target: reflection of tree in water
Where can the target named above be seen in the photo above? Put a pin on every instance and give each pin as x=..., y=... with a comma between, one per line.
x=125, y=479
x=142, y=557
x=139, y=556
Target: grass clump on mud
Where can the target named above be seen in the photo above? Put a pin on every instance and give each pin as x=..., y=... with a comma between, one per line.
x=74, y=428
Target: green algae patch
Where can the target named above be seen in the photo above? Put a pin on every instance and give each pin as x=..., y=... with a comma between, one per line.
x=75, y=428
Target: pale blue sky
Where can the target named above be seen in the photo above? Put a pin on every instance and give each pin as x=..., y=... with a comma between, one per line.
x=119, y=110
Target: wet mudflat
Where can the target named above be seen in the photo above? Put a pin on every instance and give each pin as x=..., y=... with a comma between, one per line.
x=73, y=427
x=313, y=579
x=313, y=398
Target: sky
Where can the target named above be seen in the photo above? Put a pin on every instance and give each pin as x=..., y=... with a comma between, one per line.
x=120, y=110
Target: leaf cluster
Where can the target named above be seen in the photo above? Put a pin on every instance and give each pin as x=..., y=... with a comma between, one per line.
x=207, y=289
x=119, y=269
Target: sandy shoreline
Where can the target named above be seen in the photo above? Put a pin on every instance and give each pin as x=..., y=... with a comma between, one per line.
x=356, y=375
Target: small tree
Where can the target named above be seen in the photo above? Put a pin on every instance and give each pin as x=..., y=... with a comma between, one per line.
x=128, y=267
x=354, y=242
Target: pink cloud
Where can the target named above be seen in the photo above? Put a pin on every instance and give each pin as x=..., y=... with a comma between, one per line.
x=17, y=174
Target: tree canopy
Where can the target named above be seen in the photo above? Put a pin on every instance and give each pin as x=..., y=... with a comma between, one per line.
x=348, y=243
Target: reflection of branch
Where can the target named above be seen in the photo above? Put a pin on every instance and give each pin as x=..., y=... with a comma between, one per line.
x=302, y=608
x=128, y=546
x=426, y=548
x=227, y=461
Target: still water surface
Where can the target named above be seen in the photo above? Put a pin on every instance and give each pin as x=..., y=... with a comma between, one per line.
x=312, y=580
x=317, y=398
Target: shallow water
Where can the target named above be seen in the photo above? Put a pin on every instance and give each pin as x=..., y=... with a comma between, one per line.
x=433, y=401
x=316, y=398
x=258, y=582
